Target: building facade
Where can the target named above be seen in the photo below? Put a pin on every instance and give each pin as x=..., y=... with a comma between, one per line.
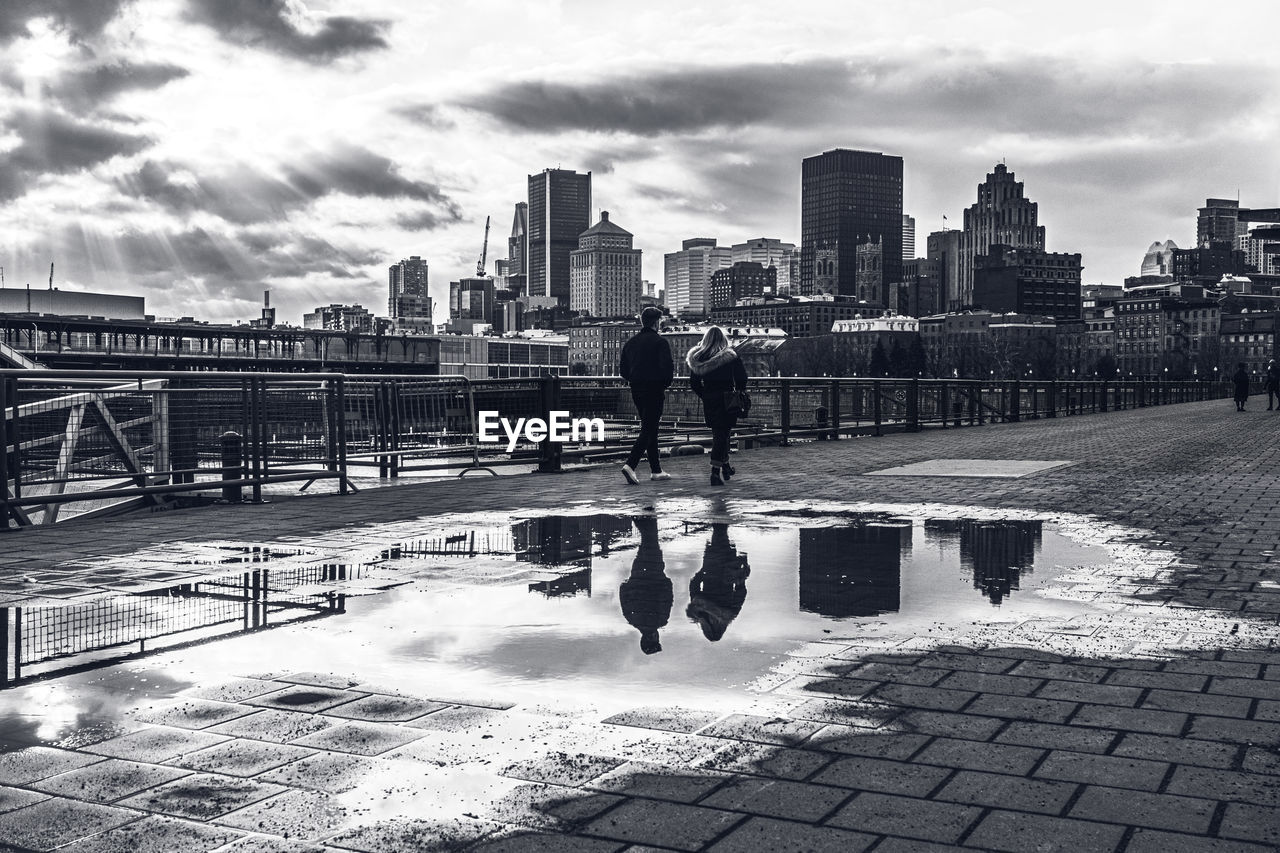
x=1249, y=339
x=1028, y=281
x=908, y=238
x=517, y=243
x=768, y=252
x=743, y=280
x=73, y=303
x=486, y=357
x=1158, y=336
x=340, y=318
x=1002, y=214
x=687, y=275
x=408, y=278
x=559, y=211
x=943, y=251
x=798, y=316
x=848, y=198
x=604, y=272
x=1219, y=222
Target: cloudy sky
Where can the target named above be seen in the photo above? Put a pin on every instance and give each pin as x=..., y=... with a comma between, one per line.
x=199, y=151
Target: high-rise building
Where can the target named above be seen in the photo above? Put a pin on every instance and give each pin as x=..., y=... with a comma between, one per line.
x=1159, y=258
x=1002, y=214
x=768, y=252
x=407, y=278
x=471, y=303
x=516, y=242
x=1256, y=256
x=559, y=211
x=743, y=280
x=1219, y=222
x=687, y=275
x=908, y=238
x=848, y=198
x=605, y=272
x=943, y=250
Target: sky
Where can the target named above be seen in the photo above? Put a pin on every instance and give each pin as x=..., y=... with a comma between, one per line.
x=198, y=152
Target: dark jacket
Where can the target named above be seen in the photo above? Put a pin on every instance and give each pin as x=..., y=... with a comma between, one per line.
x=1273, y=378
x=711, y=378
x=646, y=360
x=718, y=590
x=1241, y=379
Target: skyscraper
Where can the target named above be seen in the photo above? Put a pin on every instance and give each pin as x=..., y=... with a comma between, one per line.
x=559, y=211
x=847, y=199
x=516, y=242
x=1219, y=222
x=687, y=275
x=605, y=272
x=1002, y=214
x=768, y=252
x=908, y=238
x=408, y=299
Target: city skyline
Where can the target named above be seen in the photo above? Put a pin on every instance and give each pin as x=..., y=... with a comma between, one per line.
x=196, y=152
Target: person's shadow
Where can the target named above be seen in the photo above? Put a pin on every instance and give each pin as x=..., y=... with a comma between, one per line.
x=718, y=590
x=646, y=596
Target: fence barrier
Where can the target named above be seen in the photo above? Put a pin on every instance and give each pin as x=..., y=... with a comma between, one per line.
x=110, y=441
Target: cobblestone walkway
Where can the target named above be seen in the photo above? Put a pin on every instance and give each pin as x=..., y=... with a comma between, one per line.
x=1151, y=726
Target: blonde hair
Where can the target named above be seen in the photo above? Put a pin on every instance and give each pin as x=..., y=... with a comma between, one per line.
x=713, y=343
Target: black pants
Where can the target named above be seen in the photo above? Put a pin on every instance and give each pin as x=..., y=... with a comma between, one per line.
x=648, y=400
x=720, y=442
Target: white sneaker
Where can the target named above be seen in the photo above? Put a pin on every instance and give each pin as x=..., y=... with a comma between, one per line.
x=661, y=475
x=630, y=475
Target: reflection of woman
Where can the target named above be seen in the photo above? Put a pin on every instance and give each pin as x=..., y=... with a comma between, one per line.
x=718, y=590
x=646, y=596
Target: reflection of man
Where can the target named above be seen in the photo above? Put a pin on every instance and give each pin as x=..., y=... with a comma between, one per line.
x=718, y=590
x=646, y=596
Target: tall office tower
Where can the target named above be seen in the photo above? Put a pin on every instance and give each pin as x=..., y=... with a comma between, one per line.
x=768, y=252
x=559, y=211
x=1219, y=222
x=604, y=272
x=516, y=242
x=1159, y=258
x=687, y=275
x=1255, y=254
x=848, y=198
x=908, y=238
x=1002, y=214
x=942, y=249
x=407, y=278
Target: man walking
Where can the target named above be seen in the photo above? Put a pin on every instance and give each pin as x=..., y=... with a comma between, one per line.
x=646, y=363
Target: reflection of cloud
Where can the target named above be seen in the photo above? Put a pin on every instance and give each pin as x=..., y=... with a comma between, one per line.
x=276, y=25
x=78, y=18
x=52, y=142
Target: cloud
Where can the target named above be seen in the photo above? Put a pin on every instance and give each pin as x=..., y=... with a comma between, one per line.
x=80, y=19
x=52, y=142
x=954, y=91
x=244, y=195
x=87, y=88
x=427, y=115
x=278, y=25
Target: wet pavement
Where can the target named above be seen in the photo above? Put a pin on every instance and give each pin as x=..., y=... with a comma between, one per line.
x=1082, y=657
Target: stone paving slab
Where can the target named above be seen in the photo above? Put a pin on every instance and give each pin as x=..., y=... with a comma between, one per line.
x=1085, y=734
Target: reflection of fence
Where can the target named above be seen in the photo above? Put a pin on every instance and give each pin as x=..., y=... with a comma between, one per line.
x=61, y=637
x=103, y=437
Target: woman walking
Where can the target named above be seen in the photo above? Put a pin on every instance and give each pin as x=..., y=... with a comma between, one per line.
x=715, y=372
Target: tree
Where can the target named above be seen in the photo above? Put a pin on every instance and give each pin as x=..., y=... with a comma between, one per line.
x=1106, y=367
x=879, y=361
x=898, y=360
x=917, y=361
x=579, y=368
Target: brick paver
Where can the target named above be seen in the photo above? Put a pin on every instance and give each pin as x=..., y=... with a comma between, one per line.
x=1152, y=725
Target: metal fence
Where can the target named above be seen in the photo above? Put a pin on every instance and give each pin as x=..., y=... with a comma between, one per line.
x=113, y=440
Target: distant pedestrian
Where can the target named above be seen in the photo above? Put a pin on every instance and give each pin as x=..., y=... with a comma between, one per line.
x=1273, y=385
x=1241, y=380
x=646, y=595
x=646, y=364
x=717, y=376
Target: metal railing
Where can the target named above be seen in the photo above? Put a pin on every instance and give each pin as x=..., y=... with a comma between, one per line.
x=113, y=440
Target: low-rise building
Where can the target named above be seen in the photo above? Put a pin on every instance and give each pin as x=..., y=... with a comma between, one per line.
x=490, y=357
x=1028, y=281
x=799, y=316
x=1249, y=339
x=340, y=318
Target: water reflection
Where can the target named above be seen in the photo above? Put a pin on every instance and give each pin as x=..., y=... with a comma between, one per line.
x=646, y=595
x=852, y=571
x=995, y=553
x=719, y=589
x=567, y=541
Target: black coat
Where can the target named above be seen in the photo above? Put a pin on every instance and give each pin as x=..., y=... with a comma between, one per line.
x=710, y=379
x=1241, y=379
x=646, y=360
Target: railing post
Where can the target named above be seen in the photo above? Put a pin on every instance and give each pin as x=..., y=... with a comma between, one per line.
x=877, y=406
x=913, y=405
x=835, y=410
x=4, y=646
x=1051, y=401
x=548, y=450
x=1102, y=398
x=944, y=403
x=232, y=465
x=393, y=426
x=380, y=426
x=340, y=427
x=975, y=402
x=1014, y=411
x=784, y=389
x=4, y=452
x=258, y=438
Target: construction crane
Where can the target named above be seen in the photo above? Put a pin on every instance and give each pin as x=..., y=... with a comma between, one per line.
x=484, y=253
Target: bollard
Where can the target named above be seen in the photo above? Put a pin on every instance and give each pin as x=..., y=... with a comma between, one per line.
x=232, y=465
